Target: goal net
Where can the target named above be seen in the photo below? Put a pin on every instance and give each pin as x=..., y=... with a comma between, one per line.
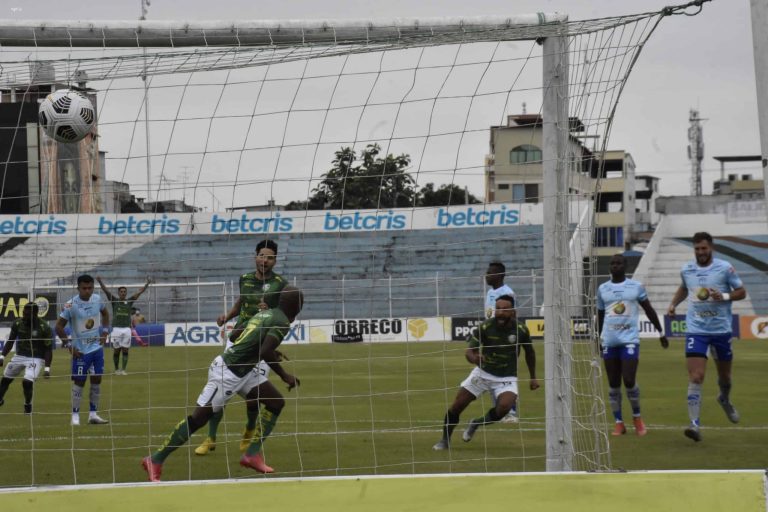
x=390, y=161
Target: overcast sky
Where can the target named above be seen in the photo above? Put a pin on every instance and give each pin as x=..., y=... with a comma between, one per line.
x=702, y=62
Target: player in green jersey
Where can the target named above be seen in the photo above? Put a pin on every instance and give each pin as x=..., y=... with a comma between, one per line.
x=259, y=290
x=229, y=372
x=493, y=349
x=121, y=322
x=34, y=348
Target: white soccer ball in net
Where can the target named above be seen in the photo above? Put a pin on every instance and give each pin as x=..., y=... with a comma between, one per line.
x=66, y=115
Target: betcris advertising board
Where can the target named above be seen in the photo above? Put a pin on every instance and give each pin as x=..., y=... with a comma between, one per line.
x=209, y=334
x=244, y=223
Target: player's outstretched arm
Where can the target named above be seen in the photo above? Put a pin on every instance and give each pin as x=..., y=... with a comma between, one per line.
x=104, y=288
x=142, y=290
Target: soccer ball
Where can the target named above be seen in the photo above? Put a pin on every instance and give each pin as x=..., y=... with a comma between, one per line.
x=66, y=115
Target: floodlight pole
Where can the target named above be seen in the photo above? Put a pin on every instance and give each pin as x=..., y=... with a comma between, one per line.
x=557, y=341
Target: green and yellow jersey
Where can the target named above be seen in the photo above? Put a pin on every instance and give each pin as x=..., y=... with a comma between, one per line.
x=121, y=312
x=499, y=346
x=253, y=290
x=245, y=353
x=31, y=340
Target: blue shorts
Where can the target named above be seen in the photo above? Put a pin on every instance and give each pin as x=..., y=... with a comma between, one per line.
x=630, y=352
x=696, y=345
x=92, y=362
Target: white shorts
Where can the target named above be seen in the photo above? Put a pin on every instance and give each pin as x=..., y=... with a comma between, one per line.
x=479, y=381
x=121, y=337
x=256, y=377
x=222, y=385
x=31, y=366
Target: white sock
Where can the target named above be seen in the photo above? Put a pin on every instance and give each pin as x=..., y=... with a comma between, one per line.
x=77, y=394
x=94, y=397
x=694, y=402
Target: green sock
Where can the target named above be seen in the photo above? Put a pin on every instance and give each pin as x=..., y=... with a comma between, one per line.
x=267, y=421
x=116, y=359
x=252, y=415
x=176, y=439
x=125, y=360
x=213, y=423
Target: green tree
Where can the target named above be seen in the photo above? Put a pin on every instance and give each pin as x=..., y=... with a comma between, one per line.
x=367, y=182
x=445, y=195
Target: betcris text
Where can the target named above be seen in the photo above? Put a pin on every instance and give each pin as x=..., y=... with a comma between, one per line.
x=364, y=222
x=25, y=225
x=245, y=224
x=501, y=216
x=138, y=226
x=204, y=334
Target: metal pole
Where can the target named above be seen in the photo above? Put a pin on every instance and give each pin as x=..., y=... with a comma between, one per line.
x=198, y=298
x=760, y=44
x=390, y=295
x=437, y=293
x=343, y=305
x=534, y=298
x=559, y=438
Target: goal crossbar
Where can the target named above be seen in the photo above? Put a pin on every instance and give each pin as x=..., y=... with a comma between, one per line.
x=173, y=34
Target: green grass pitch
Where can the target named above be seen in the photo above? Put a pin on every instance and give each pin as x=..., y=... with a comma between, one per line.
x=361, y=409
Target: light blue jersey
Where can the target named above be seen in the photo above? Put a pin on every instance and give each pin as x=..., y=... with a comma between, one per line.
x=706, y=316
x=492, y=295
x=84, y=318
x=621, y=303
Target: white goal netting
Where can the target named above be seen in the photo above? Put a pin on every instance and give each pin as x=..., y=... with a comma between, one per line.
x=390, y=162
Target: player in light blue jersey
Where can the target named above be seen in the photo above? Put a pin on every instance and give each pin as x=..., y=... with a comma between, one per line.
x=618, y=314
x=494, y=277
x=88, y=317
x=710, y=284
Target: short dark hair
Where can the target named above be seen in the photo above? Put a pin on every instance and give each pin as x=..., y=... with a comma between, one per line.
x=33, y=306
x=702, y=236
x=122, y=288
x=85, y=278
x=266, y=244
x=507, y=298
x=498, y=265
